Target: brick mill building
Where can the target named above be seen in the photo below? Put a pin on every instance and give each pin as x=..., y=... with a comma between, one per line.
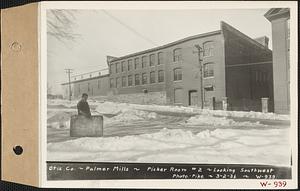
x=234, y=67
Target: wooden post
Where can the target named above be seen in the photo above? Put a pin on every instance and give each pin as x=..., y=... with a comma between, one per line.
x=225, y=103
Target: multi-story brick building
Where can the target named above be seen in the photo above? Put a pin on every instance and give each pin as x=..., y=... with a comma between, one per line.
x=234, y=67
x=280, y=19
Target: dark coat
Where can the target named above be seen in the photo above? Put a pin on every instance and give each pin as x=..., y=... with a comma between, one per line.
x=83, y=108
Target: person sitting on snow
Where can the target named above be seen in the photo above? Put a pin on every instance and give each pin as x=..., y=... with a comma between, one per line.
x=83, y=106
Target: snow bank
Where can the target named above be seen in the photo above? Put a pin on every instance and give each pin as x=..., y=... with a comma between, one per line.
x=219, y=121
x=59, y=119
x=177, y=145
x=114, y=108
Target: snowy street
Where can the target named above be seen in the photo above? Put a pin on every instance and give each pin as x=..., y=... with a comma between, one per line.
x=149, y=133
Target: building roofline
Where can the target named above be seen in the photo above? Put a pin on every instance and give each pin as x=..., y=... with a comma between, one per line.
x=90, y=72
x=86, y=79
x=244, y=36
x=168, y=45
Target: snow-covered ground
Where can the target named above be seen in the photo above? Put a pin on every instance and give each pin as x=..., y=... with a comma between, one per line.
x=155, y=133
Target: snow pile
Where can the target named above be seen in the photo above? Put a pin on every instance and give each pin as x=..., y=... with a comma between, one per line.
x=132, y=115
x=114, y=108
x=176, y=145
x=59, y=125
x=246, y=114
x=62, y=102
x=59, y=119
x=218, y=121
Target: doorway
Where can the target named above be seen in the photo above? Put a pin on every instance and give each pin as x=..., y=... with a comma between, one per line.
x=193, y=98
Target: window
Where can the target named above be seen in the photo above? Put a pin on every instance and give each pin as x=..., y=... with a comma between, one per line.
x=123, y=66
x=124, y=81
x=98, y=84
x=136, y=63
x=144, y=78
x=118, y=67
x=130, y=80
x=208, y=70
x=152, y=77
x=137, y=79
x=178, y=96
x=177, y=74
x=118, y=82
x=152, y=60
x=111, y=84
x=99, y=73
x=144, y=61
x=111, y=68
x=208, y=49
x=177, y=54
x=161, y=76
x=160, y=58
x=209, y=88
x=78, y=88
x=130, y=66
x=88, y=87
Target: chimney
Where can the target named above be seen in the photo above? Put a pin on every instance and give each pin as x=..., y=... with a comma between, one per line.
x=263, y=41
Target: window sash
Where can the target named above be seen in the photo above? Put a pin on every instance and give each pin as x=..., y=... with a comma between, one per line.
x=152, y=77
x=144, y=78
x=152, y=60
x=137, y=79
x=130, y=80
x=177, y=74
x=129, y=65
x=160, y=58
x=161, y=76
x=208, y=70
x=123, y=66
x=123, y=81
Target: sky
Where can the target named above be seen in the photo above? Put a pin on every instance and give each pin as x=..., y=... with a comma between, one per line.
x=121, y=32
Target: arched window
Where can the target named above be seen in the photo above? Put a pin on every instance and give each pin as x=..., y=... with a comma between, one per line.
x=177, y=54
x=177, y=74
x=208, y=48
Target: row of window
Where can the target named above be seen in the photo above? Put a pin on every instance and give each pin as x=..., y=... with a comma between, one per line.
x=137, y=79
x=208, y=71
x=136, y=64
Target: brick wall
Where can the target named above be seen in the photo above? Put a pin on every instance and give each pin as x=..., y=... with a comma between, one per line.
x=158, y=98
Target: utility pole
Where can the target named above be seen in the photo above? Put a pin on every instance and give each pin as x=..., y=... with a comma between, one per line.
x=69, y=71
x=200, y=50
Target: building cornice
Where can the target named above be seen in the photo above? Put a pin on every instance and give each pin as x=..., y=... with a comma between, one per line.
x=167, y=45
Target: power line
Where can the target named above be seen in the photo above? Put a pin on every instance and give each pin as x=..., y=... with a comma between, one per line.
x=130, y=28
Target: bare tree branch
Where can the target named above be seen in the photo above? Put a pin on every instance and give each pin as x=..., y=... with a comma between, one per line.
x=60, y=25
